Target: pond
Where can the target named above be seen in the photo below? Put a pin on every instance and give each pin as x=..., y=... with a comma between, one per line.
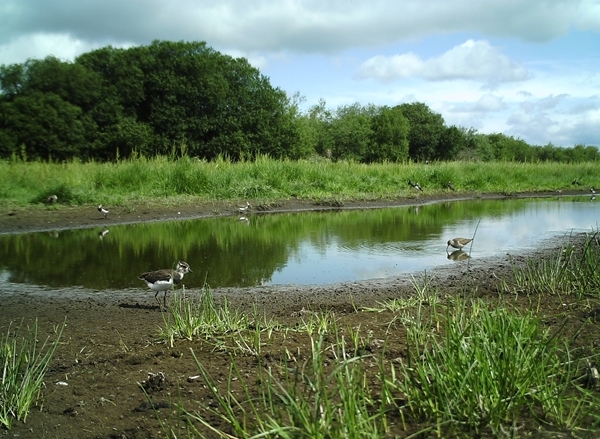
x=304, y=248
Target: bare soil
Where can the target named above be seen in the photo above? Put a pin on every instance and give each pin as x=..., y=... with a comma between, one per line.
x=110, y=347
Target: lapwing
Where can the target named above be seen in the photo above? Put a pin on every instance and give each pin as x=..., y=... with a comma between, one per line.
x=102, y=210
x=165, y=280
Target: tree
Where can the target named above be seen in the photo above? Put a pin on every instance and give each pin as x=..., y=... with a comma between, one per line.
x=390, y=136
x=47, y=126
x=451, y=142
x=350, y=132
x=426, y=128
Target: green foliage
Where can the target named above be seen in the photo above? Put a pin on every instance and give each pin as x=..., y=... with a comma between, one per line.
x=570, y=271
x=23, y=364
x=142, y=180
x=485, y=368
x=115, y=102
x=426, y=129
x=146, y=100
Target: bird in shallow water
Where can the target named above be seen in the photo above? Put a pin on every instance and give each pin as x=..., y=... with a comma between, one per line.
x=102, y=210
x=458, y=243
x=164, y=280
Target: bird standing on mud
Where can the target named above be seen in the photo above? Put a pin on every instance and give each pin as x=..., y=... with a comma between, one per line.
x=102, y=210
x=458, y=243
x=164, y=280
x=245, y=208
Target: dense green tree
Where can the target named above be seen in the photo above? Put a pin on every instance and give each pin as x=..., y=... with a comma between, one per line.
x=508, y=148
x=46, y=126
x=426, y=129
x=350, y=132
x=451, y=142
x=390, y=136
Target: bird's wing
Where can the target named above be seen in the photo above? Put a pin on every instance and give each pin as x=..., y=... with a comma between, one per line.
x=156, y=276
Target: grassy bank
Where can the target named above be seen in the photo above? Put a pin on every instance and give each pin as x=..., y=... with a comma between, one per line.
x=146, y=180
x=466, y=366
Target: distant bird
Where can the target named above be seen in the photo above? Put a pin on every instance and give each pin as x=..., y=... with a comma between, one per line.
x=417, y=186
x=164, y=280
x=592, y=191
x=458, y=243
x=103, y=233
x=576, y=182
x=52, y=199
x=449, y=186
x=245, y=208
x=102, y=210
x=457, y=255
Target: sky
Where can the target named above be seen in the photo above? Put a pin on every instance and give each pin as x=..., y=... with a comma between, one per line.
x=526, y=68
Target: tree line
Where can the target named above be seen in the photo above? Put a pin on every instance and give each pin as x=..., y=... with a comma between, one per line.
x=186, y=98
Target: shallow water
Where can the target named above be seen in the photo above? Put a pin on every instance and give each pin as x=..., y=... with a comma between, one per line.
x=306, y=248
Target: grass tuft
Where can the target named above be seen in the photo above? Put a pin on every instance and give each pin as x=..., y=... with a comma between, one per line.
x=24, y=364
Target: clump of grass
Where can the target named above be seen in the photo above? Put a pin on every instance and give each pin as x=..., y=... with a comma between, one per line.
x=24, y=364
x=310, y=400
x=569, y=271
x=197, y=315
x=485, y=368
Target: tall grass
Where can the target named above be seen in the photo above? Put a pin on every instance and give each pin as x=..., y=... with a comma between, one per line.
x=308, y=400
x=570, y=271
x=486, y=368
x=24, y=364
x=186, y=179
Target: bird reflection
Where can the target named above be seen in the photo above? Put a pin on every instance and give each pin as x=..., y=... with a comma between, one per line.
x=103, y=233
x=457, y=255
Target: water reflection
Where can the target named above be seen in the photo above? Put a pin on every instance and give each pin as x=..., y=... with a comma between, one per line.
x=298, y=248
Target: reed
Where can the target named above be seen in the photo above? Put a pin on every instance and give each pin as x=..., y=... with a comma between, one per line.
x=187, y=180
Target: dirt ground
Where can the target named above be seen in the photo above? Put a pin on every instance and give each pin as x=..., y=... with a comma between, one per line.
x=110, y=347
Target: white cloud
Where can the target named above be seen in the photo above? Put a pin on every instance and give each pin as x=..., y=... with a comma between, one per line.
x=550, y=119
x=487, y=103
x=40, y=45
x=296, y=25
x=472, y=60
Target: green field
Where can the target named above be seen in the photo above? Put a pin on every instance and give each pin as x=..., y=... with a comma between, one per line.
x=26, y=184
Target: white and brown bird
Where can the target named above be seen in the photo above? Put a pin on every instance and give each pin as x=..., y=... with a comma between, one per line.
x=165, y=280
x=458, y=243
x=102, y=210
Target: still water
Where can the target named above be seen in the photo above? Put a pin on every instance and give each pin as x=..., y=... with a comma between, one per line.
x=307, y=248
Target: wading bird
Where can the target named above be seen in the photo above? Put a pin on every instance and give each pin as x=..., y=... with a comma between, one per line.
x=458, y=243
x=165, y=280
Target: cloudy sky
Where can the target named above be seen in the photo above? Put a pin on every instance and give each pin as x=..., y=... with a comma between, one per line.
x=528, y=68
